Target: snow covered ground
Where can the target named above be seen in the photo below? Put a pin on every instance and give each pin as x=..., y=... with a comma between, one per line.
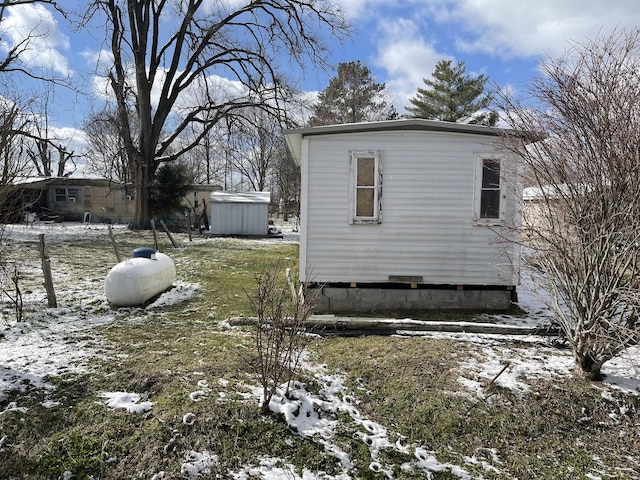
x=54, y=341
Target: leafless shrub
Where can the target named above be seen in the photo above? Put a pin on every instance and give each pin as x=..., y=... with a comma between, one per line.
x=280, y=336
x=10, y=292
x=581, y=214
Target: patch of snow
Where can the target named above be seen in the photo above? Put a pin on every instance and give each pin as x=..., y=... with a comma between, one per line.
x=189, y=418
x=179, y=293
x=13, y=407
x=271, y=468
x=197, y=395
x=198, y=463
x=127, y=401
x=53, y=341
x=31, y=352
x=513, y=368
x=623, y=371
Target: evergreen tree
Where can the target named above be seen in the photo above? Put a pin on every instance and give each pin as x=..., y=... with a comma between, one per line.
x=452, y=96
x=353, y=96
x=171, y=184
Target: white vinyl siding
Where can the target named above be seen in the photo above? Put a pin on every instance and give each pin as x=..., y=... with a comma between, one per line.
x=429, y=229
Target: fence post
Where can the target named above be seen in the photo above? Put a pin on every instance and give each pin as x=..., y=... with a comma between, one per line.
x=113, y=242
x=166, y=230
x=155, y=235
x=46, y=269
x=188, y=217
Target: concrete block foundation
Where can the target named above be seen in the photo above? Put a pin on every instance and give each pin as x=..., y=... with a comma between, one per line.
x=331, y=299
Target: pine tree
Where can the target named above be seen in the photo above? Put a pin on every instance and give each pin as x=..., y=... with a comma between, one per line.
x=452, y=96
x=353, y=96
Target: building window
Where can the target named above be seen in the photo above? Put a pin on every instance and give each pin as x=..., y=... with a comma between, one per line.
x=490, y=189
x=61, y=195
x=490, y=192
x=67, y=195
x=366, y=186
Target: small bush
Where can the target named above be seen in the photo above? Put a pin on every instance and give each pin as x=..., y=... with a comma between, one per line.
x=280, y=331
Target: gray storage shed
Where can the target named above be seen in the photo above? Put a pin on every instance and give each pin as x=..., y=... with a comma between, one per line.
x=234, y=213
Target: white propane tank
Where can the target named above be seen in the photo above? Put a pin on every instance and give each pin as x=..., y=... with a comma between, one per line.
x=135, y=280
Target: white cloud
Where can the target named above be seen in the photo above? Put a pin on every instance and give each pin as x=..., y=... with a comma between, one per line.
x=533, y=29
x=407, y=57
x=222, y=88
x=355, y=9
x=100, y=60
x=194, y=95
x=71, y=138
x=35, y=27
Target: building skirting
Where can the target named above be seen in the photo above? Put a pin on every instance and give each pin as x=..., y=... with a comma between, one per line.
x=357, y=298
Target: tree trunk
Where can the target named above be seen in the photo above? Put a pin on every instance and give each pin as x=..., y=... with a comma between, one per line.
x=264, y=407
x=144, y=177
x=588, y=367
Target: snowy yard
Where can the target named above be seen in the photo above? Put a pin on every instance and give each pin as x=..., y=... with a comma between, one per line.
x=69, y=340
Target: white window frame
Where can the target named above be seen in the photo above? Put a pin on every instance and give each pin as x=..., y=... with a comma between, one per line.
x=377, y=201
x=477, y=214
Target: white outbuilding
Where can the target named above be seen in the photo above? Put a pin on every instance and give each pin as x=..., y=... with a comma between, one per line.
x=243, y=214
x=407, y=214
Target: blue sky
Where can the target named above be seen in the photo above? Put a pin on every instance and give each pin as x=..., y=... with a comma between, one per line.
x=401, y=41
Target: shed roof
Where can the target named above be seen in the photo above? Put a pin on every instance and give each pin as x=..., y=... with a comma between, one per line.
x=240, y=197
x=294, y=136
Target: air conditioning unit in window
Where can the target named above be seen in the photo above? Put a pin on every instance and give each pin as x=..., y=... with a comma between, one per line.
x=72, y=199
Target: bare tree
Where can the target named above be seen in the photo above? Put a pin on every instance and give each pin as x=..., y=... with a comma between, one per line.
x=13, y=163
x=107, y=156
x=254, y=145
x=287, y=182
x=582, y=219
x=207, y=159
x=163, y=49
x=48, y=154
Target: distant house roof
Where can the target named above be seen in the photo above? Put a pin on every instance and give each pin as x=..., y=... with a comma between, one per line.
x=42, y=183
x=240, y=197
x=561, y=190
x=295, y=136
